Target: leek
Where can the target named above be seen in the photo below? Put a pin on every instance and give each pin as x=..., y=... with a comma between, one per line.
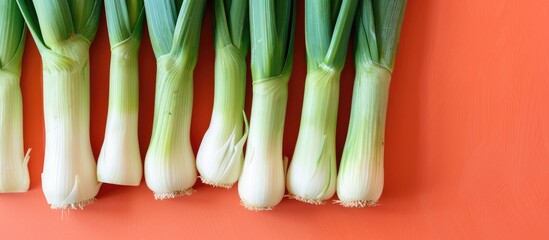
x=63, y=31
x=272, y=22
x=220, y=157
x=312, y=171
x=119, y=160
x=14, y=174
x=174, y=27
x=360, y=179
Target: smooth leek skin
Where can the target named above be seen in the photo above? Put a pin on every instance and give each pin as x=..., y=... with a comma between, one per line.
x=312, y=172
x=69, y=176
x=119, y=161
x=220, y=156
x=14, y=174
x=361, y=174
x=169, y=164
x=261, y=185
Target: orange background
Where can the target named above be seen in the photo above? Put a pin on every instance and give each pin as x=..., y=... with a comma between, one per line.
x=466, y=144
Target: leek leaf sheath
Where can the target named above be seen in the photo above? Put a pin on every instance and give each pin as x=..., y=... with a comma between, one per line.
x=63, y=31
x=120, y=160
x=312, y=171
x=220, y=157
x=174, y=29
x=272, y=22
x=360, y=178
x=14, y=174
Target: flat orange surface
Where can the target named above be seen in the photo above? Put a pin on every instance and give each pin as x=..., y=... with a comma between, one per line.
x=466, y=144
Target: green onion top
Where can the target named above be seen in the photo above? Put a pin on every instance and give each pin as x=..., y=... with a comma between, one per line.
x=328, y=27
x=51, y=22
x=272, y=24
x=378, y=30
x=231, y=24
x=174, y=27
x=12, y=38
x=124, y=19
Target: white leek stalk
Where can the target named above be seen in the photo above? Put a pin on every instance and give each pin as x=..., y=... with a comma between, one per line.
x=360, y=179
x=312, y=171
x=14, y=174
x=220, y=157
x=63, y=37
x=261, y=185
x=175, y=35
x=119, y=160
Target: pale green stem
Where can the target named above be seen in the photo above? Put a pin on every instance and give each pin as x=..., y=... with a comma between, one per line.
x=229, y=90
x=69, y=176
x=124, y=76
x=120, y=160
x=169, y=164
x=312, y=172
x=14, y=174
x=220, y=157
x=360, y=179
x=261, y=185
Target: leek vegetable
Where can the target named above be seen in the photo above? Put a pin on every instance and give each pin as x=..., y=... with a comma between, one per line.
x=312, y=171
x=119, y=160
x=360, y=179
x=220, y=157
x=174, y=27
x=272, y=22
x=14, y=174
x=63, y=31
